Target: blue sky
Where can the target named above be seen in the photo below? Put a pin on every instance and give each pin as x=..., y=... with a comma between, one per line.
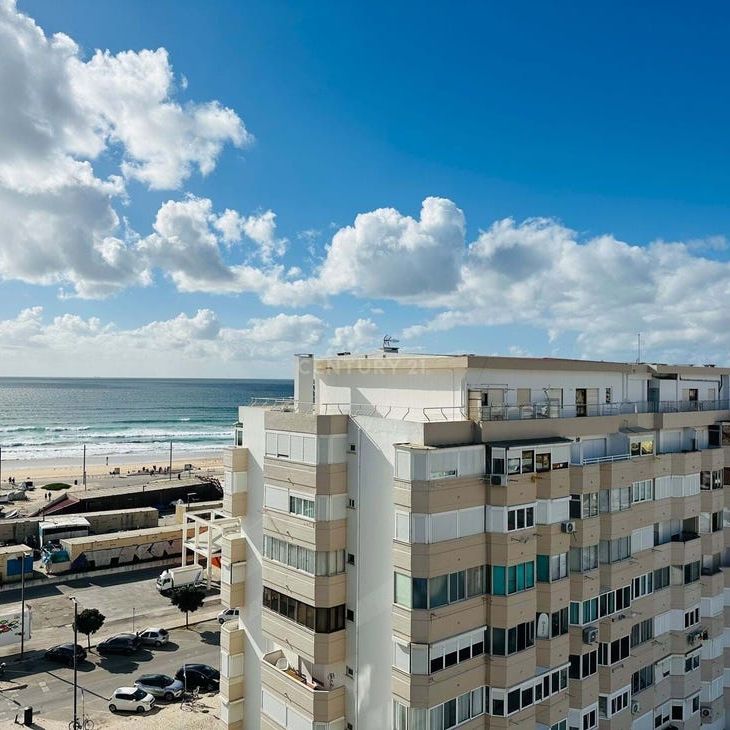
x=606, y=123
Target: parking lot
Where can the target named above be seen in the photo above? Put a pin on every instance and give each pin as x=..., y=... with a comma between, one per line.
x=48, y=688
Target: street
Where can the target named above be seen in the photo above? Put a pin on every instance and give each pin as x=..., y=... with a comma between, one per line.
x=128, y=600
x=48, y=688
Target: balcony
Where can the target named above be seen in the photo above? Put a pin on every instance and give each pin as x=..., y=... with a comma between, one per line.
x=317, y=648
x=306, y=696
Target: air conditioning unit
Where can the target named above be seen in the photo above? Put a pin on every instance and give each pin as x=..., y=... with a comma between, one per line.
x=590, y=635
x=498, y=480
x=706, y=713
x=635, y=707
x=568, y=527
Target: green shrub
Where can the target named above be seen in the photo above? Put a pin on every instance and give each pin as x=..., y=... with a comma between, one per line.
x=56, y=486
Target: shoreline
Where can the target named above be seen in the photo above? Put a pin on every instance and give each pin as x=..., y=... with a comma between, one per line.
x=95, y=462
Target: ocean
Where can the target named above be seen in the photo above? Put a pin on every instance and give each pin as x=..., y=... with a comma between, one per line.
x=49, y=418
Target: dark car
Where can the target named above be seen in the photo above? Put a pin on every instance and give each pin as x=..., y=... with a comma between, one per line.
x=64, y=654
x=199, y=675
x=120, y=644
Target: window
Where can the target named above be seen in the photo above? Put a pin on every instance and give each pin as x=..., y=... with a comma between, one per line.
x=641, y=447
x=457, y=649
x=692, y=572
x=642, y=586
x=520, y=518
x=691, y=662
x=583, y=665
x=642, y=632
x=612, y=551
x=615, y=651
x=642, y=491
x=642, y=679
x=589, y=720
x=559, y=622
x=542, y=462
x=300, y=558
x=583, y=559
x=583, y=506
x=583, y=613
x=512, y=640
x=661, y=578
x=441, y=590
x=552, y=567
x=512, y=579
x=400, y=716
x=455, y=712
x=711, y=479
x=615, y=500
x=612, y=601
x=301, y=506
x=320, y=620
x=528, y=462
x=691, y=617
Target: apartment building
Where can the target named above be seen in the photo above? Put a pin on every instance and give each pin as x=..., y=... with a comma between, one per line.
x=430, y=542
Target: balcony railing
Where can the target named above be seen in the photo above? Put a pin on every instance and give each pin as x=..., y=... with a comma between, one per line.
x=553, y=410
x=487, y=413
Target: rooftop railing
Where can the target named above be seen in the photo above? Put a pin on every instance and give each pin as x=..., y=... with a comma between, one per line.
x=488, y=413
x=553, y=410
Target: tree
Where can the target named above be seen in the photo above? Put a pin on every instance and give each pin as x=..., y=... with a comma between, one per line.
x=88, y=622
x=188, y=598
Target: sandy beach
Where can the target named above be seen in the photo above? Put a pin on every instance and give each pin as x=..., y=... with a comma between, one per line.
x=98, y=473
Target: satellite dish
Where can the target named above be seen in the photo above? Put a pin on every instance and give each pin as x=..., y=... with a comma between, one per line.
x=543, y=626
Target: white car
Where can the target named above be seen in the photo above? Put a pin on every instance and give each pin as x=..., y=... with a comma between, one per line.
x=154, y=637
x=131, y=699
x=228, y=614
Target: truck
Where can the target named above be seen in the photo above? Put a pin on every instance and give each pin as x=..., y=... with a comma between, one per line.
x=176, y=578
x=11, y=624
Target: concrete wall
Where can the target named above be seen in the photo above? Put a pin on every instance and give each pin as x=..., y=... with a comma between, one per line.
x=370, y=580
x=21, y=528
x=255, y=644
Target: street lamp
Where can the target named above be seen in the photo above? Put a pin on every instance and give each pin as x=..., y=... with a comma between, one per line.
x=76, y=615
x=22, y=603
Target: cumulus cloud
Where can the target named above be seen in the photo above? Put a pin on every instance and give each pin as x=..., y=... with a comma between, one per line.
x=388, y=254
x=58, y=224
x=195, y=339
x=361, y=336
x=601, y=291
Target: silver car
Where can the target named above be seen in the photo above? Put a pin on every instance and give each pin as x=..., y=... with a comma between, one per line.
x=153, y=637
x=160, y=685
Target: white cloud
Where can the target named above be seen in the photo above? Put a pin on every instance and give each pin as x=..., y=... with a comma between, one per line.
x=71, y=343
x=391, y=255
x=58, y=224
x=361, y=336
x=128, y=97
x=601, y=291
x=259, y=228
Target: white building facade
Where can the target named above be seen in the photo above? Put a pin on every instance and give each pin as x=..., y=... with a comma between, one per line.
x=430, y=542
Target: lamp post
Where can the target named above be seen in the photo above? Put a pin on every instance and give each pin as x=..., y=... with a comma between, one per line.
x=22, y=604
x=76, y=615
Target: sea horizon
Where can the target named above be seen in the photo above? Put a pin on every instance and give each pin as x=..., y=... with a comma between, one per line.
x=122, y=418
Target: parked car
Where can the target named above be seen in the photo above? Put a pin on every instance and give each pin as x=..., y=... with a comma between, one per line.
x=64, y=654
x=120, y=644
x=160, y=685
x=199, y=675
x=153, y=637
x=228, y=614
x=131, y=699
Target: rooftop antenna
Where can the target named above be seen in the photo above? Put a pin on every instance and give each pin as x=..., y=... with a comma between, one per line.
x=638, y=345
x=390, y=344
